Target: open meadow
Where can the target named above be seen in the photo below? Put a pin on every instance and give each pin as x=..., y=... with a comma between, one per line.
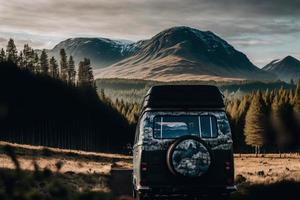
x=31, y=172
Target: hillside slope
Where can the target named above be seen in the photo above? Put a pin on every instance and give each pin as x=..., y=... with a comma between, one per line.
x=286, y=69
x=183, y=53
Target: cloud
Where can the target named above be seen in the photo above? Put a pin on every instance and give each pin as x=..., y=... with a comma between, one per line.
x=141, y=19
x=136, y=19
x=21, y=38
x=3, y=42
x=252, y=42
x=2, y=39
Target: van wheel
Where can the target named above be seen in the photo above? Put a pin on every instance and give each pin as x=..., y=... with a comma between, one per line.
x=189, y=156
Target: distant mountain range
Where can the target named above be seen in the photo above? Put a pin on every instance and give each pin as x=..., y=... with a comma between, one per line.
x=183, y=53
x=286, y=69
x=178, y=53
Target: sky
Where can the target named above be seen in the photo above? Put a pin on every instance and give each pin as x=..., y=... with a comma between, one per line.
x=262, y=29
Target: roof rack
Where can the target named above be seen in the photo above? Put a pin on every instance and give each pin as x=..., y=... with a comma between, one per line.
x=184, y=97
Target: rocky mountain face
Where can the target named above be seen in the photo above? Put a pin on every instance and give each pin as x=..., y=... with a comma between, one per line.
x=286, y=69
x=102, y=52
x=183, y=53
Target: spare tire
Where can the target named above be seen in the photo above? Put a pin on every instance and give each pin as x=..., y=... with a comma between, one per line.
x=189, y=156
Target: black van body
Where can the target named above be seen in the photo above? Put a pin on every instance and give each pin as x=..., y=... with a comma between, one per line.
x=183, y=143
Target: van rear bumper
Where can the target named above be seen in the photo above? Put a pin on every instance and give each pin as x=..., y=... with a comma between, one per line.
x=164, y=190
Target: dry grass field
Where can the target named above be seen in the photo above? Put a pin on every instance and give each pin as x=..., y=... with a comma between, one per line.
x=85, y=175
x=71, y=160
x=268, y=168
x=50, y=173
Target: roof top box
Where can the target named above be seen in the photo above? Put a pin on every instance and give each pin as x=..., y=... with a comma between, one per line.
x=184, y=96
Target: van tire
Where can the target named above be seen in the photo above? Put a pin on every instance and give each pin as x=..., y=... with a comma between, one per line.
x=195, y=143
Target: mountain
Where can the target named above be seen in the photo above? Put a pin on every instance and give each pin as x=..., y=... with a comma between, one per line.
x=101, y=51
x=286, y=69
x=184, y=53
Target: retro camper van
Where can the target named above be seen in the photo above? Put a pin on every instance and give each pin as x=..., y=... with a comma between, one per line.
x=183, y=144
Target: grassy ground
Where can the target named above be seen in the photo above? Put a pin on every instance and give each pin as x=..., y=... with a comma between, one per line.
x=266, y=169
x=30, y=173
x=71, y=160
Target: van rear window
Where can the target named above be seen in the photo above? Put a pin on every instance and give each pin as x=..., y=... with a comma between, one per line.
x=169, y=127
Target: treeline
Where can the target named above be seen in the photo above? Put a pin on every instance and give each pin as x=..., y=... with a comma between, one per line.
x=133, y=91
x=50, y=104
x=130, y=111
x=266, y=121
x=262, y=121
x=30, y=60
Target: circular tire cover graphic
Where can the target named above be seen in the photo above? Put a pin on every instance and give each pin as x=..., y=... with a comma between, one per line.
x=191, y=158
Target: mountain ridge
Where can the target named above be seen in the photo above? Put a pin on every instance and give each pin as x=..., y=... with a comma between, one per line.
x=184, y=53
x=286, y=69
x=102, y=51
x=177, y=53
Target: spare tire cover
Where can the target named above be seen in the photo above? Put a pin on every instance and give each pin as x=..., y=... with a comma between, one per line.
x=189, y=157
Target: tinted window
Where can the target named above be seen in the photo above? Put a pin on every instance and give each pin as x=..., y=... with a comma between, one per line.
x=204, y=126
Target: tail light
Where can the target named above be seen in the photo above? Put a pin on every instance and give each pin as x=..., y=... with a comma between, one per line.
x=228, y=168
x=227, y=165
x=144, y=166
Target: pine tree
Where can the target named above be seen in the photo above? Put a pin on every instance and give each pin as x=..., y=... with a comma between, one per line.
x=240, y=123
x=297, y=98
x=81, y=77
x=21, y=60
x=292, y=82
x=297, y=102
x=283, y=139
x=85, y=74
x=53, y=68
x=234, y=111
x=268, y=98
x=291, y=97
x=11, y=51
x=2, y=55
x=228, y=105
x=243, y=107
x=28, y=55
x=63, y=65
x=71, y=71
x=36, y=62
x=133, y=117
x=254, y=129
x=44, y=63
x=90, y=73
x=103, y=96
